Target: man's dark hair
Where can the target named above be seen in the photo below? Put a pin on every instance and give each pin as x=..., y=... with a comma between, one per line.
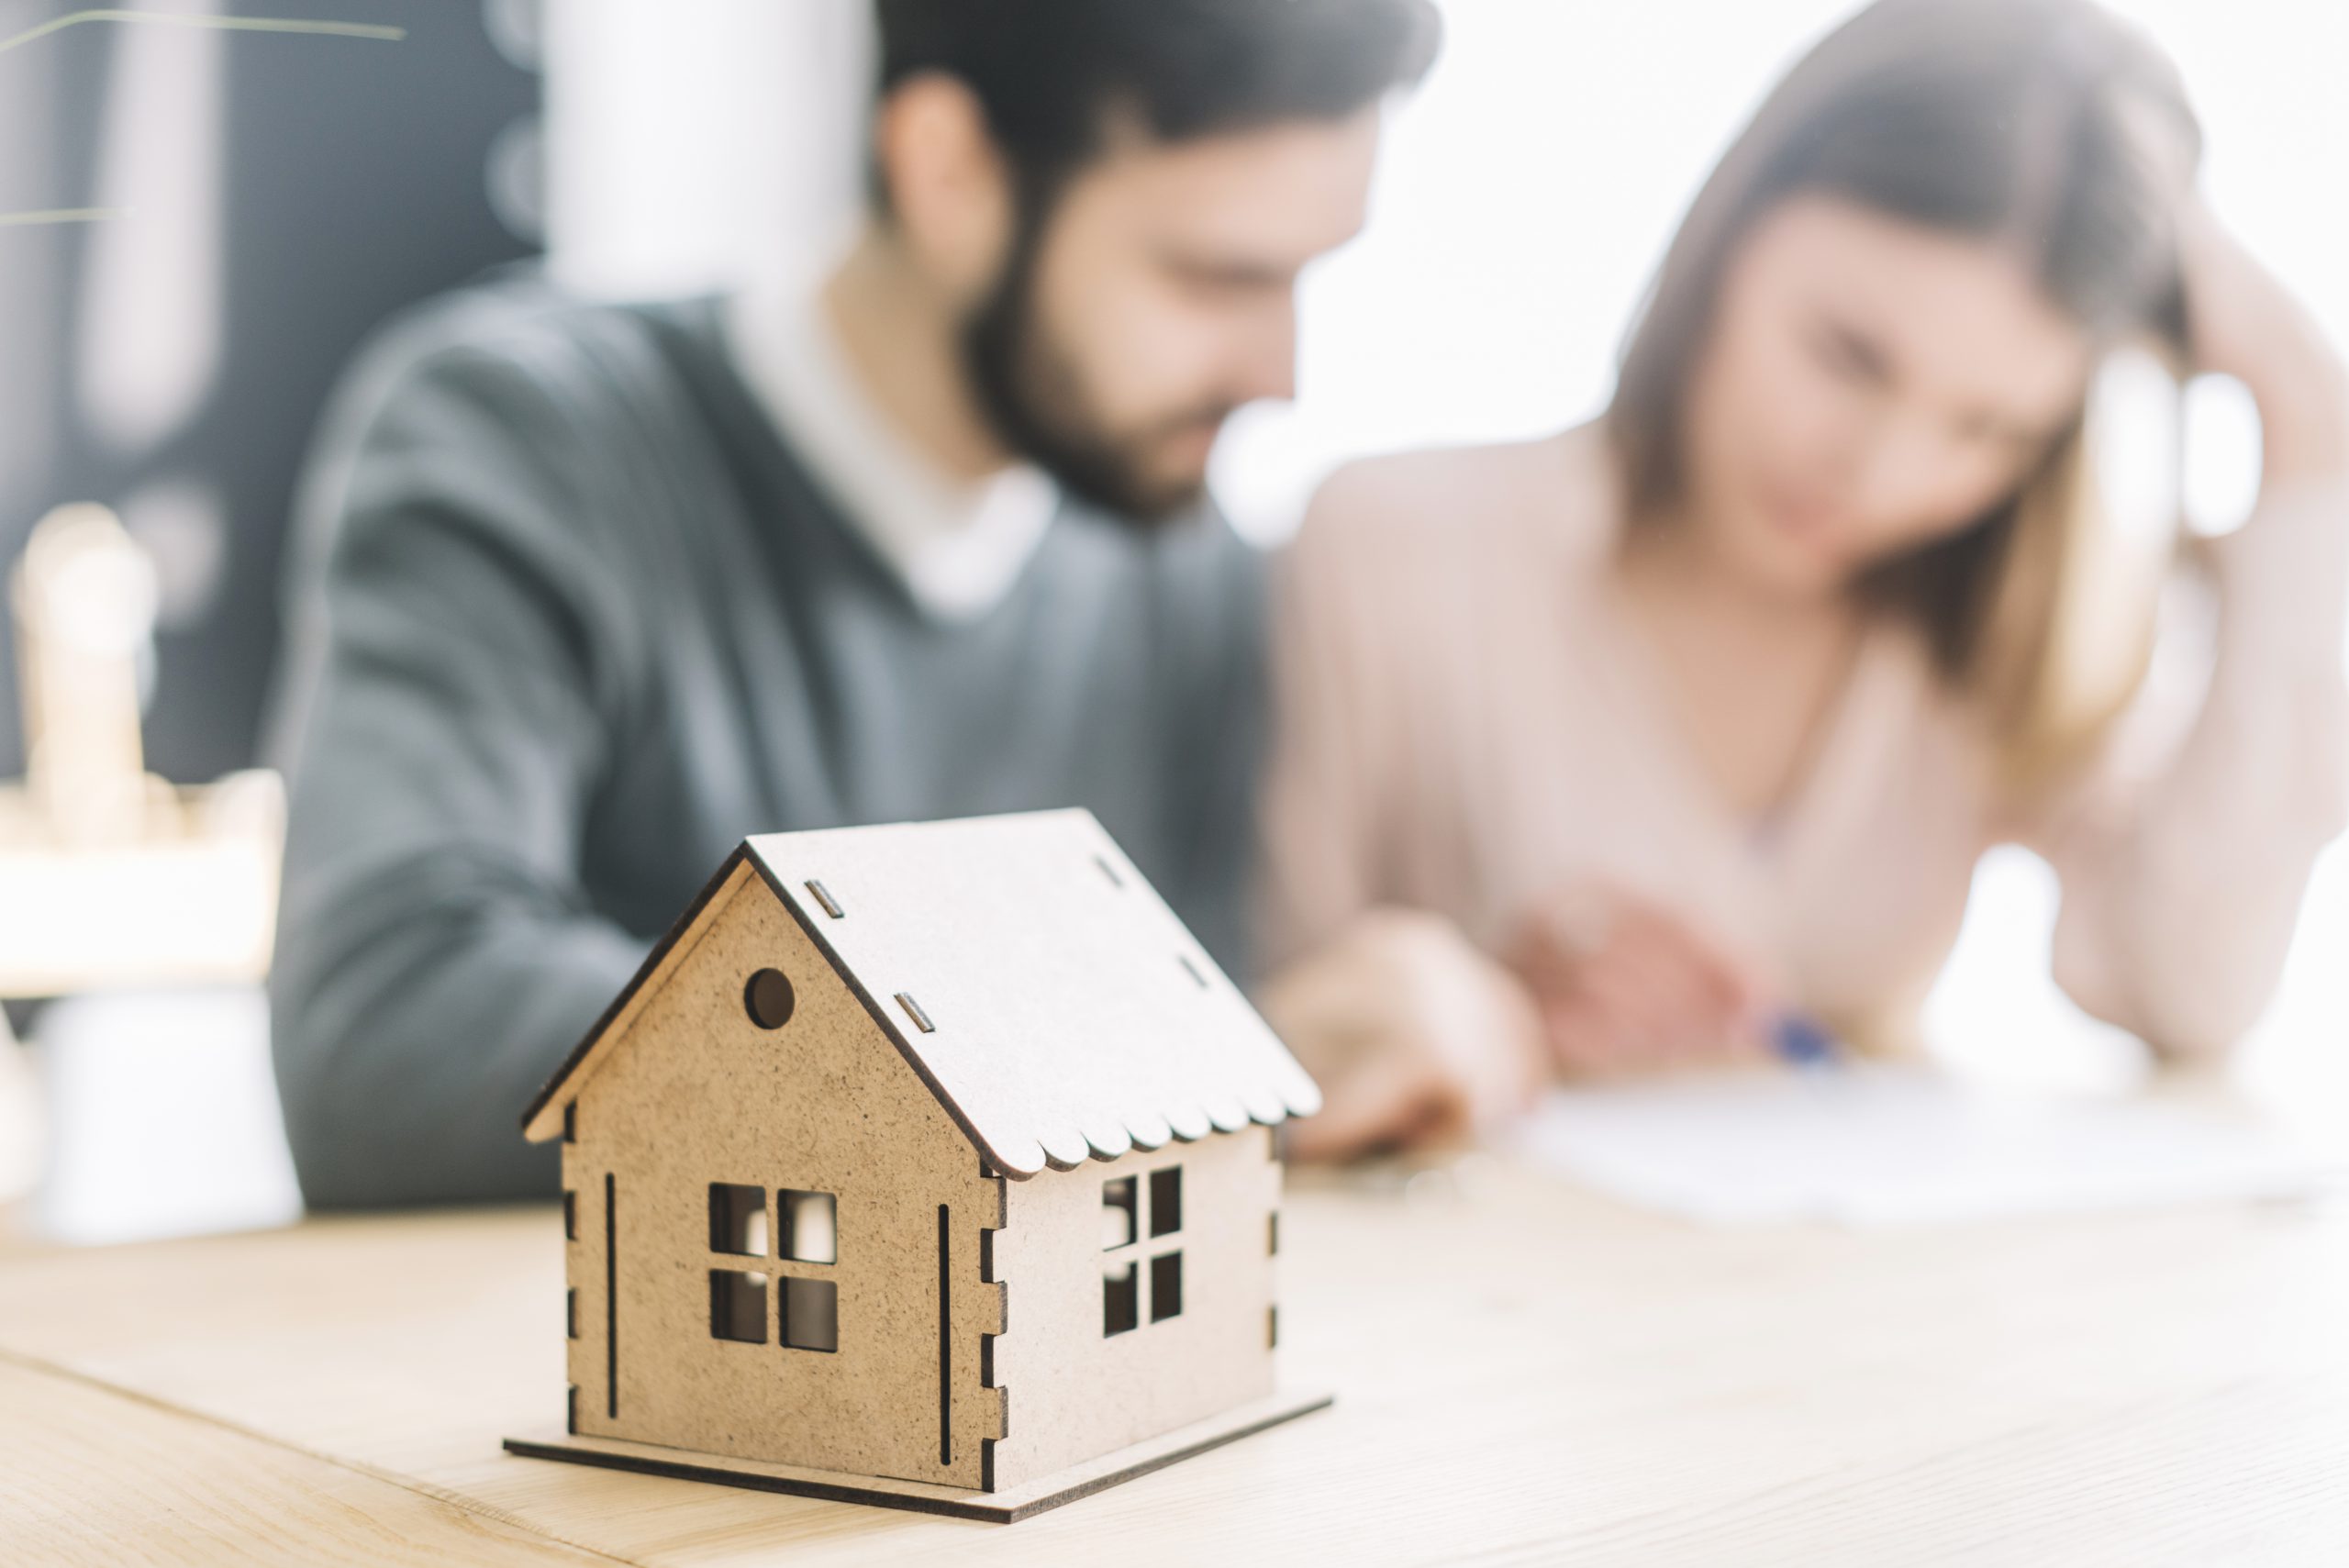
x=1053, y=77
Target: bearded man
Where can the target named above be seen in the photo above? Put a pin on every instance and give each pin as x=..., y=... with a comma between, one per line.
x=585, y=593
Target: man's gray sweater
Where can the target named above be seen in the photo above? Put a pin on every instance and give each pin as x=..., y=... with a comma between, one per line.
x=570, y=621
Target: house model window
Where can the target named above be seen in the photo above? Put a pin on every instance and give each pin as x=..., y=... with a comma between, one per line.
x=809, y=1226
x=1122, y=1225
x=738, y=1219
x=807, y=1308
x=738, y=1306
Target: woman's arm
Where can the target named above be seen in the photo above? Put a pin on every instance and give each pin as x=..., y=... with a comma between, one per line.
x=2180, y=894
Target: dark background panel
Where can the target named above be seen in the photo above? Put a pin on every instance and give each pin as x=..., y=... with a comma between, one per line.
x=356, y=180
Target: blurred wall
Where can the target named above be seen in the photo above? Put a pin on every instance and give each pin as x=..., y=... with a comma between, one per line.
x=687, y=140
x=691, y=140
x=283, y=194
x=1547, y=160
x=1528, y=191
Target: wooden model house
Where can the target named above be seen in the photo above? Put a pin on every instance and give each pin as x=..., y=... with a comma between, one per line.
x=928, y=1165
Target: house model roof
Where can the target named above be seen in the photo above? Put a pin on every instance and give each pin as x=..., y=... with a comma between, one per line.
x=1048, y=995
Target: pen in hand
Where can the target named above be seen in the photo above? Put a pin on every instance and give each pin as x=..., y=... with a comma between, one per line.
x=1800, y=1040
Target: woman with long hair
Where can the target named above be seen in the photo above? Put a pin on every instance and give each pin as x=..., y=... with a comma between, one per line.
x=1680, y=733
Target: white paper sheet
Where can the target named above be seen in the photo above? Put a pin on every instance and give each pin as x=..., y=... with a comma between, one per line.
x=1896, y=1146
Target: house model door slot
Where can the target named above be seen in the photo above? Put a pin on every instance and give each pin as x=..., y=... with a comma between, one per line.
x=611, y=1306
x=945, y=1339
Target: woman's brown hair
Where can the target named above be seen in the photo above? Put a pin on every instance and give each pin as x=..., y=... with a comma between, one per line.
x=2048, y=126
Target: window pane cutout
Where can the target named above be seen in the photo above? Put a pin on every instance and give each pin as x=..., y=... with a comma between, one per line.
x=738, y=1306
x=1121, y=1281
x=1119, y=1200
x=810, y=1227
x=1120, y=1297
x=811, y=1318
x=738, y=1219
x=1165, y=1286
x=1166, y=1201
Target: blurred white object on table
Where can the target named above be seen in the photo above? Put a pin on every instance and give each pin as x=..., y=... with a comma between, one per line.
x=162, y=1116
x=143, y=1105
x=21, y=1141
x=108, y=875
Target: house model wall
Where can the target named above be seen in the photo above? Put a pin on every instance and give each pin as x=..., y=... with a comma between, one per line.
x=938, y=1153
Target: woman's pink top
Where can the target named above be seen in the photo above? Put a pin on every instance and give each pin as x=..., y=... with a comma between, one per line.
x=1469, y=722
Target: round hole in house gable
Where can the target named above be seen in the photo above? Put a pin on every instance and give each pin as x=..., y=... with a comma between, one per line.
x=768, y=998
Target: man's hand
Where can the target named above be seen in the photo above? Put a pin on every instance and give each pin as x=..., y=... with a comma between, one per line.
x=1415, y=1035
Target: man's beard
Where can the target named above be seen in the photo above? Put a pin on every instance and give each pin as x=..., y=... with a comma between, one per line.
x=1031, y=397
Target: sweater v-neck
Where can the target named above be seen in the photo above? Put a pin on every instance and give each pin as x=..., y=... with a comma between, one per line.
x=770, y=463
x=1647, y=701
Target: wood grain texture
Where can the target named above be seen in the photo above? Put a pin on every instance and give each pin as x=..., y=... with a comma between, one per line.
x=89, y=1475
x=1524, y=1375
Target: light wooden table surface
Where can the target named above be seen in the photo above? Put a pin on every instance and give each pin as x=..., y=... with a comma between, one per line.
x=1525, y=1374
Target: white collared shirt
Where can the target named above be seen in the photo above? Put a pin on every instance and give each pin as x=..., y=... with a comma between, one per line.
x=957, y=546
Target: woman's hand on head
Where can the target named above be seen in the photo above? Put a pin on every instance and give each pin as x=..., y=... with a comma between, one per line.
x=2245, y=323
x=1623, y=984
x=1415, y=1035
